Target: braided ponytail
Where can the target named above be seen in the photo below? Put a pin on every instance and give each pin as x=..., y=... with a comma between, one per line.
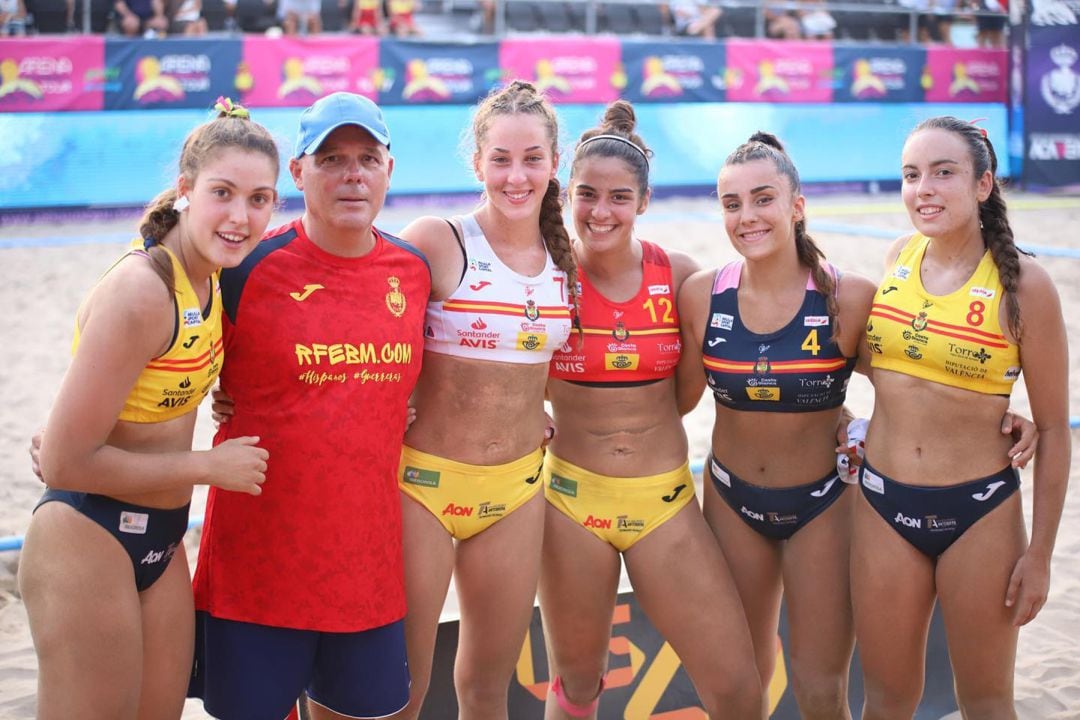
x=766, y=146
x=997, y=234
x=557, y=239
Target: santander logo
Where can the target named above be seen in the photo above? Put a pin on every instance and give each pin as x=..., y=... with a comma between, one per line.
x=479, y=324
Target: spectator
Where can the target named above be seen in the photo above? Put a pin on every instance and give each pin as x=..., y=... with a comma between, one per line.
x=367, y=18
x=781, y=24
x=695, y=19
x=185, y=18
x=402, y=18
x=141, y=17
x=297, y=15
x=990, y=31
x=12, y=17
x=816, y=22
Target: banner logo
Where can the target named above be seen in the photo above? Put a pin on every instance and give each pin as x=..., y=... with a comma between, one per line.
x=1061, y=87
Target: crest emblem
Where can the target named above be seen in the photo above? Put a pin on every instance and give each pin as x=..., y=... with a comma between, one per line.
x=1061, y=86
x=531, y=311
x=762, y=365
x=919, y=322
x=619, y=332
x=395, y=299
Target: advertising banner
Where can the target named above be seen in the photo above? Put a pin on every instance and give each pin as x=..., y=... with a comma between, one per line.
x=1052, y=112
x=417, y=73
x=181, y=73
x=877, y=73
x=966, y=75
x=764, y=71
x=49, y=75
x=294, y=72
x=567, y=70
x=673, y=71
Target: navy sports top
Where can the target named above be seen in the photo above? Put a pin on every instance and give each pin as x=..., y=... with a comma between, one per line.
x=798, y=368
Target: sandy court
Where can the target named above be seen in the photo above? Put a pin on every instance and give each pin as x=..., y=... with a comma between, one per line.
x=43, y=283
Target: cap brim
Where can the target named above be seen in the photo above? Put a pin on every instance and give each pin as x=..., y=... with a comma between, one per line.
x=315, y=144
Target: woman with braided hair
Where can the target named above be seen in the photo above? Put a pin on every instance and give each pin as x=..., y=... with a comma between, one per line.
x=503, y=283
x=103, y=573
x=616, y=477
x=779, y=333
x=958, y=317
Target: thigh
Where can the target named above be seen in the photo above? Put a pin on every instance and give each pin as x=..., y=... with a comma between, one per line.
x=496, y=573
x=817, y=590
x=681, y=580
x=754, y=561
x=360, y=674
x=892, y=592
x=578, y=582
x=429, y=562
x=168, y=629
x=972, y=577
x=247, y=671
x=79, y=589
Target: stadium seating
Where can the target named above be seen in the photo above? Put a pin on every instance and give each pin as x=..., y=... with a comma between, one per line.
x=50, y=16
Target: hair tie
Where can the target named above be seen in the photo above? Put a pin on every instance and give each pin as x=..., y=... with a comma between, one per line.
x=982, y=131
x=618, y=138
x=231, y=109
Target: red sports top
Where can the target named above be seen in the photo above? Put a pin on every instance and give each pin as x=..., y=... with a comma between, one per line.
x=632, y=341
x=323, y=353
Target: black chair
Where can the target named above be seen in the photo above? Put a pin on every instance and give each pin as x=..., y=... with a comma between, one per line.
x=214, y=13
x=50, y=16
x=737, y=22
x=332, y=15
x=255, y=16
x=522, y=17
x=651, y=20
x=617, y=18
x=576, y=11
x=554, y=17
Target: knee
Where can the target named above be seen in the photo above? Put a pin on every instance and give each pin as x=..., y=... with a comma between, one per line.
x=886, y=701
x=480, y=689
x=820, y=694
x=998, y=706
x=735, y=696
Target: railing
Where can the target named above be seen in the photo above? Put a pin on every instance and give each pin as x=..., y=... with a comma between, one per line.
x=591, y=11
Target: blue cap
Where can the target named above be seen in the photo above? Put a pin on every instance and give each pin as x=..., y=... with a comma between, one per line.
x=329, y=113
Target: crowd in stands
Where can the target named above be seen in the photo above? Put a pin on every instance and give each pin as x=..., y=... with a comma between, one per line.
x=856, y=20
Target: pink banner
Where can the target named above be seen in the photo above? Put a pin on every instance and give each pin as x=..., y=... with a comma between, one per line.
x=567, y=70
x=973, y=75
x=770, y=71
x=47, y=75
x=296, y=72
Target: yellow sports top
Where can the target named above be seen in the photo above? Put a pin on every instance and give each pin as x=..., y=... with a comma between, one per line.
x=952, y=339
x=175, y=382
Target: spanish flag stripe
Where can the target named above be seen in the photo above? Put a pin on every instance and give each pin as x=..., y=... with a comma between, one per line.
x=970, y=330
x=632, y=331
x=200, y=361
x=967, y=338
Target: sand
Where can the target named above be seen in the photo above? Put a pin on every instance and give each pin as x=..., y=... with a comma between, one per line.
x=42, y=285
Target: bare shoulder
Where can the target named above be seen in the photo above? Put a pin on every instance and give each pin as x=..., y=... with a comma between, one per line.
x=428, y=233
x=682, y=265
x=131, y=304
x=895, y=247
x=1036, y=285
x=855, y=290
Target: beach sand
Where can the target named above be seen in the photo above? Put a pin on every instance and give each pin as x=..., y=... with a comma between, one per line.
x=42, y=286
